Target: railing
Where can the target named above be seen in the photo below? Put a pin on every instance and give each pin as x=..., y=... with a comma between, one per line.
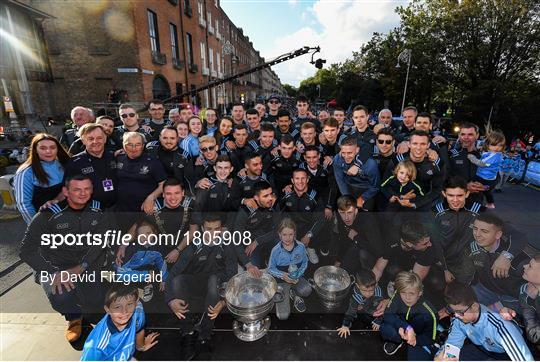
x=188, y=11
x=218, y=35
x=193, y=68
x=211, y=29
x=159, y=58
x=202, y=22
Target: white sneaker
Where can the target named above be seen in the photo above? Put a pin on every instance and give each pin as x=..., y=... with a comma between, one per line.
x=312, y=256
x=147, y=293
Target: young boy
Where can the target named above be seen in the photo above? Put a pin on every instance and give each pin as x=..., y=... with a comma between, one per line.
x=117, y=335
x=288, y=262
x=409, y=318
x=366, y=296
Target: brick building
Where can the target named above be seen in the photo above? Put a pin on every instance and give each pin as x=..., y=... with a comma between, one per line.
x=92, y=51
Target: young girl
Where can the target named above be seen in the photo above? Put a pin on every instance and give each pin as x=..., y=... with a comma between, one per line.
x=40, y=178
x=398, y=189
x=183, y=131
x=288, y=262
x=143, y=258
x=191, y=143
x=224, y=132
x=489, y=164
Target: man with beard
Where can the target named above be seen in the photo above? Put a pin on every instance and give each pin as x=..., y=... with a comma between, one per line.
x=173, y=159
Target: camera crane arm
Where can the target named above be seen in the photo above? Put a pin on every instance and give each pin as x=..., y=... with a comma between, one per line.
x=280, y=59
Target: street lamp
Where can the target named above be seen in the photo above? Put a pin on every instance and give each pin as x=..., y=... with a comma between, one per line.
x=405, y=56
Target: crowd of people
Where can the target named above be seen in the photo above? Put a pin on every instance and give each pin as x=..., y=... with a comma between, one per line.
x=403, y=209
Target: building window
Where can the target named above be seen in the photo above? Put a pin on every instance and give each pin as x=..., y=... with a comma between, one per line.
x=203, y=55
x=153, y=31
x=189, y=44
x=200, y=8
x=211, y=58
x=174, y=41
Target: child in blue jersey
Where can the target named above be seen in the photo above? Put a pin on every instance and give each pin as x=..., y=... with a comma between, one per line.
x=121, y=331
x=409, y=319
x=366, y=298
x=490, y=336
x=144, y=260
x=288, y=262
x=489, y=164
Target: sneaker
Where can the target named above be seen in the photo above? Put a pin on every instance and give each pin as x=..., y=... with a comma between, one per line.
x=147, y=293
x=74, y=330
x=390, y=290
x=490, y=205
x=391, y=348
x=324, y=252
x=312, y=256
x=298, y=302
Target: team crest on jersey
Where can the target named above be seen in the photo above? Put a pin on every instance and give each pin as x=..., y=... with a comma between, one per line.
x=430, y=172
x=119, y=165
x=87, y=170
x=94, y=222
x=445, y=222
x=62, y=226
x=144, y=170
x=308, y=208
x=490, y=342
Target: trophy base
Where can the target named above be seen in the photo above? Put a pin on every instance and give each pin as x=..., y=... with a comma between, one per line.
x=253, y=331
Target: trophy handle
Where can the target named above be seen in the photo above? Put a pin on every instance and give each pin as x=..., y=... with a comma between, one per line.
x=222, y=289
x=353, y=280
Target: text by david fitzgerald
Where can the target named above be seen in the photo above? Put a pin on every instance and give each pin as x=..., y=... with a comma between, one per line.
x=103, y=276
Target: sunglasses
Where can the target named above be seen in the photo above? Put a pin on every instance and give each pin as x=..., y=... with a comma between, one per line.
x=388, y=142
x=126, y=115
x=206, y=149
x=274, y=102
x=457, y=312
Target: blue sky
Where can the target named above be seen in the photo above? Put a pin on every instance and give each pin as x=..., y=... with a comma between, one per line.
x=339, y=27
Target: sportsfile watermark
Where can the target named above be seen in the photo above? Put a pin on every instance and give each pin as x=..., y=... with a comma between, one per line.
x=112, y=238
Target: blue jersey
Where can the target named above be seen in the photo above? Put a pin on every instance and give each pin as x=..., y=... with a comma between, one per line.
x=141, y=260
x=281, y=260
x=107, y=343
x=493, y=161
x=492, y=333
x=30, y=193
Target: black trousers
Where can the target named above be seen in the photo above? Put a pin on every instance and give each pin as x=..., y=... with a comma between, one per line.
x=199, y=291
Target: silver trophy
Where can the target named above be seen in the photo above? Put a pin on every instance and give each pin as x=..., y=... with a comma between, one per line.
x=250, y=299
x=331, y=284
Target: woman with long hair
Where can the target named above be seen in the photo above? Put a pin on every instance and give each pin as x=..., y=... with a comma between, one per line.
x=224, y=131
x=39, y=178
x=191, y=143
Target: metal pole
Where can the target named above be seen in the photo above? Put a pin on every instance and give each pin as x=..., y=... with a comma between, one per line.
x=406, y=81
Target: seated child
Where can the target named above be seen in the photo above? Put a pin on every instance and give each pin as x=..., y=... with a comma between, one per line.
x=398, y=188
x=121, y=330
x=489, y=164
x=409, y=318
x=143, y=257
x=366, y=296
x=288, y=262
x=529, y=302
